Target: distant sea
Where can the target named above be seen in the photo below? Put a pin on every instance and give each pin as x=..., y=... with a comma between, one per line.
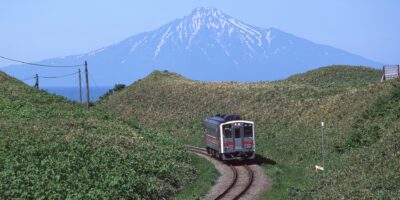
x=72, y=93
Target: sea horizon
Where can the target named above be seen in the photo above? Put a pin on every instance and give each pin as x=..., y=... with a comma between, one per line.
x=72, y=93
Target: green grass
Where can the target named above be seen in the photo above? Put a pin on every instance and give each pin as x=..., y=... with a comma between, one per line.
x=51, y=148
x=203, y=183
x=338, y=76
x=286, y=181
x=360, y=114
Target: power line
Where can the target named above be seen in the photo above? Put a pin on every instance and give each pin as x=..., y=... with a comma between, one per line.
x=94, y=83
x=29, y=78
x=60, y=76
x=41, y=65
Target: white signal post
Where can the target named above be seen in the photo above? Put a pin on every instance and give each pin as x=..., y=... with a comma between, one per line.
x=322, y=150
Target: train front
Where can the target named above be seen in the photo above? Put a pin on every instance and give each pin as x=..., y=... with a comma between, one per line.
x=238, y=141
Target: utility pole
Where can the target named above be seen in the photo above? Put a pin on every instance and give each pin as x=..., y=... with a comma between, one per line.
x=87, y=86
x=80, y=85
x=322, y=148
x=384, y=72
x=37, y=81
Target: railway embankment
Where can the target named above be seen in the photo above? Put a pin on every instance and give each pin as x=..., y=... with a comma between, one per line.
x=360, y=115
x=238, y=180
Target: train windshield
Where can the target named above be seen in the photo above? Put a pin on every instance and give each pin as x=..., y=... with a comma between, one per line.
x=227, y=131
x=248, y=130
x=237, y=133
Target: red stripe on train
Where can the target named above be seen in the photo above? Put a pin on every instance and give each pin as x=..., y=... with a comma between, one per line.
x=248, y=142
x=229, y=143
x=212, y=139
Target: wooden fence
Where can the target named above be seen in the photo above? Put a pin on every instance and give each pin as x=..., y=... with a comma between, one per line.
x=390, y=72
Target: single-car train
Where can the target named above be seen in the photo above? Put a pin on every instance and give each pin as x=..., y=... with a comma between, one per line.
x=228, y=137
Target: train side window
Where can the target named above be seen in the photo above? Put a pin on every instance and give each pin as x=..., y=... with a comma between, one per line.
x=237, y=133
x=248, y=130
x=227, y=131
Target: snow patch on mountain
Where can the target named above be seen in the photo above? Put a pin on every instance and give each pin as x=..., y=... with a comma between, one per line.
x=205, y=45
x=163, y=40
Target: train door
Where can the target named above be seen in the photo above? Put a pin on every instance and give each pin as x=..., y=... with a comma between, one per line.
x=228, y=139
x=238, y=137
x=248, y=135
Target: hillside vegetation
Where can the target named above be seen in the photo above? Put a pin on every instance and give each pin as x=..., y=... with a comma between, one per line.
x=338, y=76
x=51, y=148
x=360, y=112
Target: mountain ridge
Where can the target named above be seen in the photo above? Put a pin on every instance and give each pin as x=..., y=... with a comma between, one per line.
x=206, y=45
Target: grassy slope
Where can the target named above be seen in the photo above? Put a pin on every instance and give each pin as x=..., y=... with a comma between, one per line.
x=52, y=148
x=338, y=76
x=166, y=100
x=204, y=181
x=287, y=114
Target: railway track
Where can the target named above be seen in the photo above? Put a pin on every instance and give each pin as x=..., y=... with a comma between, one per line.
x=241, y=180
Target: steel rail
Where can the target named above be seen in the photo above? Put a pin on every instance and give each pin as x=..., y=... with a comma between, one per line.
x=234, y=172
x=249, y=183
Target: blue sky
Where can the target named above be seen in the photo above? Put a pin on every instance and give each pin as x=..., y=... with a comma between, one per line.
x=40, y=29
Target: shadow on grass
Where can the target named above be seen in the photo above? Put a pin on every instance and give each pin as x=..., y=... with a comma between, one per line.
x=263, y=160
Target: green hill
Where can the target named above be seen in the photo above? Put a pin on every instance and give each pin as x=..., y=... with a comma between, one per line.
x=51, y=148
x=338, y=76
x=359, y=112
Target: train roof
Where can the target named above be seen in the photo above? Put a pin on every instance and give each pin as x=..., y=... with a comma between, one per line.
x=218, y=119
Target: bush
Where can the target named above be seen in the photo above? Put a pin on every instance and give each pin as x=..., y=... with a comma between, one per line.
x=117, y=88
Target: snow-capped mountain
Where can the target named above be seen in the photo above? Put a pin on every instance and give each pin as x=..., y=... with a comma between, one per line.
x=206, y=45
